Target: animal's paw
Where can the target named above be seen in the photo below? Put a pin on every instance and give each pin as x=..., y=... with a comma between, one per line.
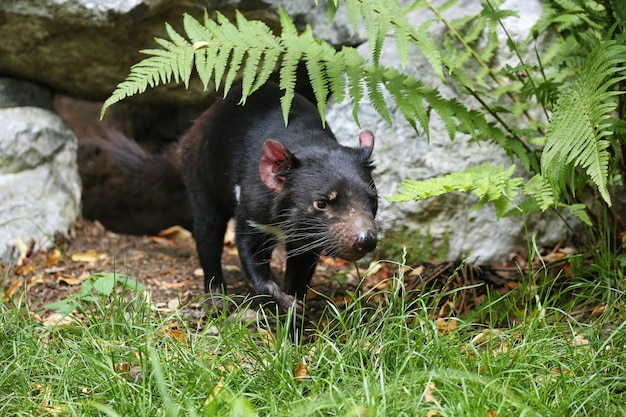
x=290, y=305
x=217, y=304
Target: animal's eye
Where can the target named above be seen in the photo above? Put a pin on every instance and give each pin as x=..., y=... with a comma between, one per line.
x=320, y=204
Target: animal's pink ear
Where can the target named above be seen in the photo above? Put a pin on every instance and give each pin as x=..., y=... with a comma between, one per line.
x=366, y=141
x=275, y=161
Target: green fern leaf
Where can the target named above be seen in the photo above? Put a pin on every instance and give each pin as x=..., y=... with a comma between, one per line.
x=261, y=45
x=231, y=36
x=619, y=11
x=540, y=190
x=154, y=70
x=488, y=182
x=373, y=81
x=221, y=63
x=354, y=12
x=205, y=64
x=431, y=51
x=289, y=61
x=317, y=77
x=205, y=54
x=288, y=70
x=355, y=87
x=410, y=104
x=580, y=211
x=335, y=71
x=376, y=29
x=576, y=134
x=316, y=55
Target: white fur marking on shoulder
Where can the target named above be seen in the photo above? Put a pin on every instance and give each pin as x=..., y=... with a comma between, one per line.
x=237, y=192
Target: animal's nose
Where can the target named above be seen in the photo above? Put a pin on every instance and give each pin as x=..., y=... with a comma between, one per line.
x=365, y=241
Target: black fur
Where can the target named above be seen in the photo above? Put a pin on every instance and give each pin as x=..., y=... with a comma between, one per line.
x=294, y=185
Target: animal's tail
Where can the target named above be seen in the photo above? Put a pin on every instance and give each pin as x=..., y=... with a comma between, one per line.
x=137, y=162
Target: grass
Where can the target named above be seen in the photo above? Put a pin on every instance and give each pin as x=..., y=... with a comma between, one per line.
x=115, y=356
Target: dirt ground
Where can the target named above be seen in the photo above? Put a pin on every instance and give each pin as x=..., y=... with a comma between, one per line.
x=168, y=266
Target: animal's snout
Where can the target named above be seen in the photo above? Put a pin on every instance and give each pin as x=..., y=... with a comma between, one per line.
x=365, y=241
x=354, y=237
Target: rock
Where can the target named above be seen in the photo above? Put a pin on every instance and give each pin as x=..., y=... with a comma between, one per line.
x=84, y=48
x=401, y=153
x=38, y=172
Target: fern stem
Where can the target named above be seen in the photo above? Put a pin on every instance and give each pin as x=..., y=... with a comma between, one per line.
x=497, y=117
x=543, y=75
x=460, y=38
x=528, y=75
x=483, y=64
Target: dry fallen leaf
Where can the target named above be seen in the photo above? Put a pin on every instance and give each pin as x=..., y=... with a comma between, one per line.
x=373, y=268
x=89, y=256
x=492, y=413
x=174, y=332
x=22, y=249
x=46, y=402
x=163, y=241
x=301, y=371
x=166, y=285
x=229, y=236
x=16, y=285
x=231, y=251
x=429, y=397
x=598, y=311
x=52, y=259
x=445, y=325
x=216, y=390
x=416, y=272
x=176, y=233
x=25, y=268
x=19, y=284
x=135, y=373
x=72, y=280
x=429, y=393
x=483, y=336
x=341, y=300
x=447, y=309
x=503, y=348
x=34, y=280
x=511, y=285
x=121, y=368
x=57, y=319
x=173, y=304
x=231, y=268
x=267, y=336
x=579, y=340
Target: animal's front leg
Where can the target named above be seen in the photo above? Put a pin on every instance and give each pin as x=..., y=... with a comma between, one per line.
x=255, y=251
x=299, y=271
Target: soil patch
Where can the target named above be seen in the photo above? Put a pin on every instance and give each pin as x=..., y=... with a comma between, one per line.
x=168, y=266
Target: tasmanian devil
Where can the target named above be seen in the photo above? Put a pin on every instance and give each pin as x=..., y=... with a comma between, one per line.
x=283, y=184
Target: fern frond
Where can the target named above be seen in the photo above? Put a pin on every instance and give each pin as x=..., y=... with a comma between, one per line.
x=218, y=48
x=541, y=198
x=232, y=41
x=381, y=17
x=289, y=61
x=576, y=134
x=489, y=183
x=619, y=12
x=159, y=68
x=355, y=86
x=373, y=82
